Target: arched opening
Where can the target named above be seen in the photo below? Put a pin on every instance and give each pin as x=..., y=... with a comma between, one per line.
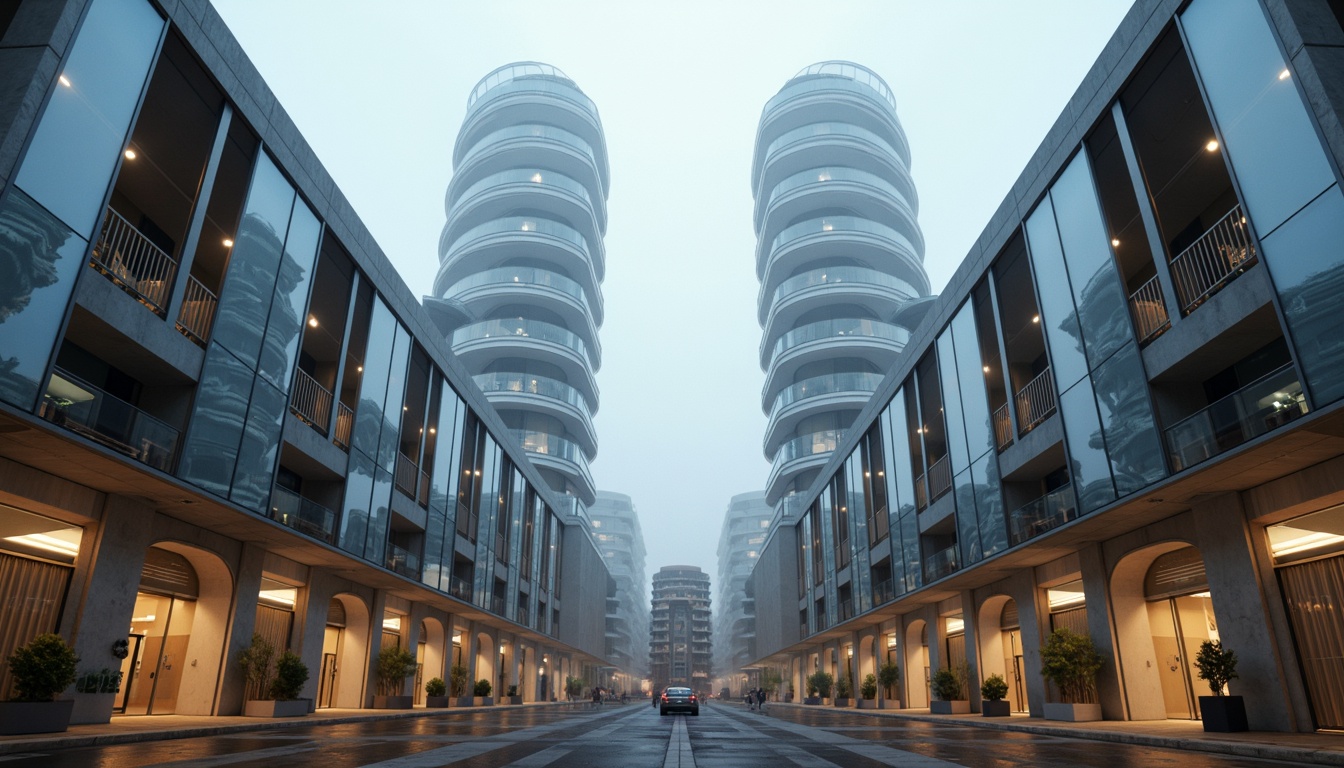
x=916, y=675
x=1163, y=612
x=430, y=654
x=485, y=660
x=1000, y=637
x=177, y=632
x=345, y=646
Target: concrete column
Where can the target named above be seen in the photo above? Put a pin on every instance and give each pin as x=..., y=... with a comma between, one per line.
x=1097, y=594
x=376, y=610
x=310, y=613
x=116, y=551
x=1031, y=615
x=1241, y=592
x=247, y=585
x=970, y=618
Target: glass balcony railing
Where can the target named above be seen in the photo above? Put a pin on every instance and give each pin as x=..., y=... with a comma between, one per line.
x=1265, y=404
x=543, y=132
x=940, y=479
x=819, y=130
x=839, y=174
x=840, y=328
x=546, y=444
x=1150, y=311
x=132, y=261
x=91, y=412
x=411, y=480
x=520, y=329
x=804, y=87
x=1214, y=260
x=809, y=445
x=460, y=588
x=537, y=177
x=519, y=225
x=1040, y=515
x=841, y=225
x=825, y=385
x=551, y=83
x=940, y=563
x=519, y=277
x=842, y=275
x=303, y=515
x=884, y=591
x=533, y=385
x=403, y=561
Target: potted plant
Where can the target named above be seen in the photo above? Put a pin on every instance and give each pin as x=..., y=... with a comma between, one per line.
x=888, y=676
x=949, y=685
x=394, y=666
x=96, y=695
x=573, y=687
x=1071, y=662
x=436, y=693
x=1217, y=666
x=868, y=692
x=481, y=694
x=843, y=691
x=272, y=687
x=818, y=687
x=512, y=693
x=788, y=695
x=40, y=671
x=457, y=686
x=770, y=680
x=992, y=691
x=290, y=675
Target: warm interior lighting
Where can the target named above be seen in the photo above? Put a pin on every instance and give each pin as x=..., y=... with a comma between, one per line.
x=312, y=321
x=129, y=154
x=986, y=369
x=65, y=81
x=359, y=369
x=1115, y=242
x=955, y=624
x=891, y=641
x=1036, y=319
x=1282, y=75
x=64, y=542
x=286, y=597
x=849, y=651
x=146, y=619
x=228, y=242
x=1212, y=146
x=1066, y=596
x=536, y=178
x=392, y=623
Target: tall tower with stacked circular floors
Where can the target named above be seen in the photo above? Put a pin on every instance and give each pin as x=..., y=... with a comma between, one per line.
x=521, y=261
x=839, y=256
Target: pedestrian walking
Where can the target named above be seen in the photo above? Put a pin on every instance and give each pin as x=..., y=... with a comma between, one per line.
x=760, y=699
x=749, y=698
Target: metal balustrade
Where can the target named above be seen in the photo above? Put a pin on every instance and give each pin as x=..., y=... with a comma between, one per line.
x=90, y=411
x=940, y=563
x=132, y=261
x=197, y=317
x=1209, y=263
x=345, y=422
x=1262, y=405
x=403, y=561
x=940, y=479
x=311, y=401
x=921, y=493
x=304, y=515
x=1149, y=310
x=1035, y=402
x=1003, y=427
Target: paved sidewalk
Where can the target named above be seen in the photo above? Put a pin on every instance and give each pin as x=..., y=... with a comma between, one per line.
x=1325, y=748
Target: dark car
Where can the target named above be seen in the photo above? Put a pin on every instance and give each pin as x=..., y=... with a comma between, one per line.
x=679, y=700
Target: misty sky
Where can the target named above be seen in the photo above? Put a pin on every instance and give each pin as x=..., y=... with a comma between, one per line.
x=379, y=91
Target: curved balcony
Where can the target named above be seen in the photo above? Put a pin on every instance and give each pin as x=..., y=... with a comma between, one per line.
x=824, y=386
x=865, y=292
x=865, y=194
x=796, y=244
x=548, y=134
x=549, y=239
x=835, y=276
x=528, y=338
x=524, y=100
x=533, y=75
x=543, y=395
x=561, y=455
x=800, y=455
x=533, y=284
x=838, y=329
x=803, y=96
x=534, y=185
x=812, y=132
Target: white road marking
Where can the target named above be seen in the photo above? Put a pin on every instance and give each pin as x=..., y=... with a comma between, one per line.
x=679, y=746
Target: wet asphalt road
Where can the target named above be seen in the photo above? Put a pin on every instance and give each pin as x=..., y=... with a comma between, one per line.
x=628, y=736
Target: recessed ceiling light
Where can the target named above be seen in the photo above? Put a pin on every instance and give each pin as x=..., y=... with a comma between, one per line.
x=228, y=243
x=1212, y=146
x=129, y=154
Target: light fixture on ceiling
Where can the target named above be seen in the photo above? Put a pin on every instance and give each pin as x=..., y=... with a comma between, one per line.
x=1212, y=146
x=312, y=321
x=228, y=242
x=1284, y=75
x=65, y=81
x=1036, y=319
x=129, y=154
x=1115, y=242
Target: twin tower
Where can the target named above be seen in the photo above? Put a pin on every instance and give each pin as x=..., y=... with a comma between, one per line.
x=839, y=257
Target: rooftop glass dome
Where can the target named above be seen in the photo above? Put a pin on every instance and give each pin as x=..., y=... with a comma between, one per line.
x=852, y=71
x=516, y=71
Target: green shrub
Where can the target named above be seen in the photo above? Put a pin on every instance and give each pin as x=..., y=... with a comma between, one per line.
x=994, y=688
x=888, y=676
x=819, y=684
x=513, y=691
x=1071, y=662
x=458, y=677
x=258, y=671
x=868, y=688
x=483, y=688
x=1217, y=665
x=947, y=685
x=436, y=687
x=394, y=666
x=290, y=675
x=42, y=668
x=843, y=688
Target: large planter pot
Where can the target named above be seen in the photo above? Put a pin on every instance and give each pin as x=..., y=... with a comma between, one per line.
x=842, y=702
x=462, y=701
x=867, y=704
x=482, y=701
x=259, y=708
x=998, y=708
x=889, y=704
x=1072, y=713
x=18, y=717
x=515, y=699
x=954, y=707
x=1223, y=714
x=91, y=708
x=436, y=702
x=393, y=702
x=812, y=701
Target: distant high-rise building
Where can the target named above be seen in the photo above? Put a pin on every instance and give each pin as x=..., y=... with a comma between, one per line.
x=616, y=530
x=840, y=258
x=680, y=635
x=521, y=262
x=745, y=524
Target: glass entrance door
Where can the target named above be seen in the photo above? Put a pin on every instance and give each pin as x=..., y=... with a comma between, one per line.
x=1179, y=625
x=160, y=630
